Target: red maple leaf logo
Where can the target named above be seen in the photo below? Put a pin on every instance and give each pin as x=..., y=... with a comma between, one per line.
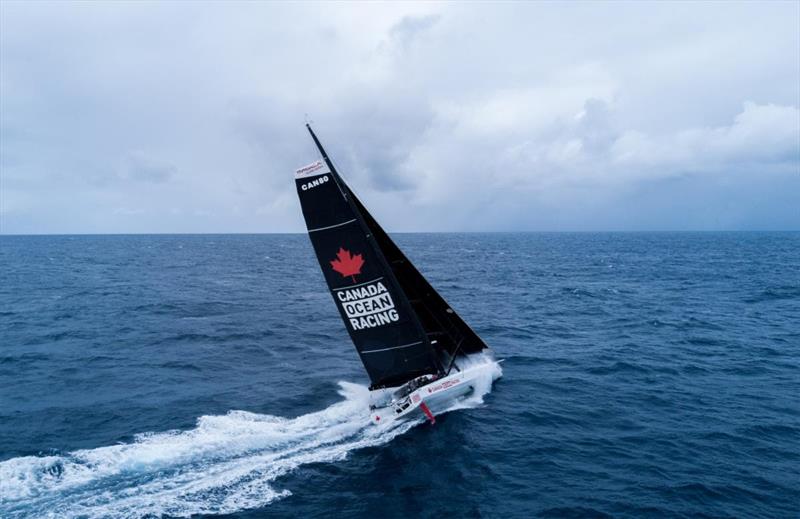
x=347, y=264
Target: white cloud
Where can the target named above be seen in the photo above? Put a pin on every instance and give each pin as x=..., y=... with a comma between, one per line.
x=765, y=135
x=538, y=116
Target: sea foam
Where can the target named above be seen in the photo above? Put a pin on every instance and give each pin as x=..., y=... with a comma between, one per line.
x=225, y=464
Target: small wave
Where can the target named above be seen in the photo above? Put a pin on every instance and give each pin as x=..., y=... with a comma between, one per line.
x=773, y=432
x=51, y=337
x=775, y=293
x=543, y=418
x=24, y=359
x=693, y=369
x=227, y=463
x=704, y=341
x=192, y=338
x=573, y=512
x=530, y=360
x=183, y=366
x=579, y=292
x=617, y=367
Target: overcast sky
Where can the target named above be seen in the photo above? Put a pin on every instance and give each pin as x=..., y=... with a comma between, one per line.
x=188, y=117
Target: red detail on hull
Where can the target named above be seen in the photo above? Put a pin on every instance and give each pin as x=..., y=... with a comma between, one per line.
x=428, y=413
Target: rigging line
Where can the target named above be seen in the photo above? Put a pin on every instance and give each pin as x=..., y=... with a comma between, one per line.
x=329, y=161
x=339, y=173
x=455, y=354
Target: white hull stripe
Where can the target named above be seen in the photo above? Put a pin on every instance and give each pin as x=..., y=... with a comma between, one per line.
x=332, y=226
x=358, y=285
x=394, y=347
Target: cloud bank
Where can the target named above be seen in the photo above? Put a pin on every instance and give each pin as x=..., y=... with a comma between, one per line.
x=146, y=117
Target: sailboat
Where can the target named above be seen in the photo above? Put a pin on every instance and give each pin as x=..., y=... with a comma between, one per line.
x=419, y=354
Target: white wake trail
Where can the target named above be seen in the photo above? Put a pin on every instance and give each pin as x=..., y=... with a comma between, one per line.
x=225, y=464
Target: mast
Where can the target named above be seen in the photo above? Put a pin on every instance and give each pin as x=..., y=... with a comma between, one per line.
x=319, y=145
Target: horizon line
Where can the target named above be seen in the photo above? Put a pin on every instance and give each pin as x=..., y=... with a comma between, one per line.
x=654, y=231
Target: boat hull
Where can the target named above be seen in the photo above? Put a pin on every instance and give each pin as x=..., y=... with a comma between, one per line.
x=437, y=396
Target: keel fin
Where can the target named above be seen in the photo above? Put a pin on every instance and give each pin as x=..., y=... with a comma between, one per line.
x=427, y=412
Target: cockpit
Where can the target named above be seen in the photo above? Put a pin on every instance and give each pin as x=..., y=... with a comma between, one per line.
x=413, y=385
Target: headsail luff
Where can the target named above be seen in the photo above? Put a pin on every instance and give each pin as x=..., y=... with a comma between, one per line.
x=386, y=331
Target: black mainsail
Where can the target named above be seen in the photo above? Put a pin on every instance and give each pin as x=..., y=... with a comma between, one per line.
x=401, y=327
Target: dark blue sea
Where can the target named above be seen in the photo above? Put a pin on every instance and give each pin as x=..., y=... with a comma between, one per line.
x=645, y=375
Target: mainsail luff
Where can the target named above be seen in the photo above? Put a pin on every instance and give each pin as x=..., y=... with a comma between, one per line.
x=397, y=349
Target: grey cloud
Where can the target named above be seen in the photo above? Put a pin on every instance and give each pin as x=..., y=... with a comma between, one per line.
x=595, y=126
x=137, y=117
x=141, y=168
x=409, y=27
x=383, y=135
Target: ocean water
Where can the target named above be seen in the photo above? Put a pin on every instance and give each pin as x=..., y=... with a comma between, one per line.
x=645, y=374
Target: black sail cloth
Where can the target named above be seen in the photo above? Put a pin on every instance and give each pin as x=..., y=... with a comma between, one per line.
x=387, y=334
x=401, y=327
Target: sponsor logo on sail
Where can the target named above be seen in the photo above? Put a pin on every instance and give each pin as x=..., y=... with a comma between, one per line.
x=314, y=183
x=315, y=168
x=368, y=306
